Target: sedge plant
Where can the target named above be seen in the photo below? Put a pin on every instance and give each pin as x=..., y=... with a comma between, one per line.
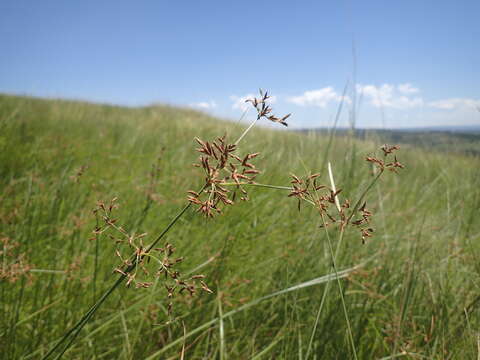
x=227, y=176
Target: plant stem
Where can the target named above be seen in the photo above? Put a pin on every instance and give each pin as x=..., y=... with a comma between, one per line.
x=335, y=257
x=330, y=247
x=258, y=185
x=247, y=130
x=360, y=199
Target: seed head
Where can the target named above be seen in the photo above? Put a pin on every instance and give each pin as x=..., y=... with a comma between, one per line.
x=264, y=110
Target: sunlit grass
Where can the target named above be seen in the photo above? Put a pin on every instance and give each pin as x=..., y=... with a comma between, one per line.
x=415, y=293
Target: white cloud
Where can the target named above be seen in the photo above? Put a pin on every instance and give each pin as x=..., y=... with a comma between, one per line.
x=239, y=101
x=205, y=105
x=391, y=96
x=321, y=97
x=407, y=89
x=455, y=103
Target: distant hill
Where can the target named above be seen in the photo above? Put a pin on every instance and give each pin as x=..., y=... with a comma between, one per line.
x=461, y=139
x=465, y=129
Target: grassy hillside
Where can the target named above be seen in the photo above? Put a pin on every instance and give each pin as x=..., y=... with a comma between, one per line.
x=413, y=293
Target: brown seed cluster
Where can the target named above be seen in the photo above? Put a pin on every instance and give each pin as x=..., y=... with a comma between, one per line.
x=393, y=166
x=222, y=167
x=264, y=110
x=363, y=222
x=320, y=196
x=133, y=266
x=324, y=198
x=14, y=265
x=150, y=188
x=78, y=173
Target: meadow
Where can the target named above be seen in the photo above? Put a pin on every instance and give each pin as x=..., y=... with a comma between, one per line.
x=412, y=290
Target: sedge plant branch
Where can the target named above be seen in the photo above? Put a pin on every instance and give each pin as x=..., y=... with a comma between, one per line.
x=75, y=330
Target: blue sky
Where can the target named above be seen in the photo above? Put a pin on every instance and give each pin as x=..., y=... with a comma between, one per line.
x=416, y=64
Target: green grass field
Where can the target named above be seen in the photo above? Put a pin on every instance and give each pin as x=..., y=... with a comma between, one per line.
x=412, y=291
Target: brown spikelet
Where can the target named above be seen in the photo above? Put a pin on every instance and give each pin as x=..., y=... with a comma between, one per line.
x=263, y=110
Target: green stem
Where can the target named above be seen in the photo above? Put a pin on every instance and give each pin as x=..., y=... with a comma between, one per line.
x=95, y=264
x=334, y=259
x=47, y=271
x=349, y=327
x=258, y=185
x=359, y=201
x=247, y=130
x=75, y=330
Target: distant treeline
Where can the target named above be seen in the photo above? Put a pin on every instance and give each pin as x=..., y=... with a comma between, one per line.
x=449, y=141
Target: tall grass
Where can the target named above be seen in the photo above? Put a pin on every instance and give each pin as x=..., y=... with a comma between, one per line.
x=410, y=291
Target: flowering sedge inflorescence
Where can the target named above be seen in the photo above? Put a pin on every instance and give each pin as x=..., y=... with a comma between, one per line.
x=78, y=173
x=393, y=166
x=223, y=167
x=14, y=265
x=326, y=201
x=134, y=266
x=264, y=110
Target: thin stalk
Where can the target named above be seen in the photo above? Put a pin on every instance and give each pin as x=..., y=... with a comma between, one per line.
x=128, y=346
x=95, y=267
x=349, y=327
x=259, y=185
x=75, y=330
x=360, y=199
x=317, y=319
x=327, y=287
x=334, y=129
x=247, y=130
x=324, y=296
x=337, y=250
x=170, y=225
x=47, y=271
x=267, y=186
x=221, y=328
x=182, y=355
